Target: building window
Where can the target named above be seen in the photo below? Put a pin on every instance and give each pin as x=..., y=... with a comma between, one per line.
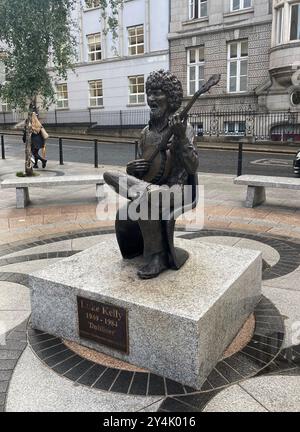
x=94, y=47
x=136, y=40
x=5, y=106
x=237, y=59
x=235, y=127
x=96, y=93
x=240, y=4
x=62, y=96
x=295, y=22
x=279, y=25
x=90, y=4
x=197, y=9
x=195, y=72
x=136, y=89
x=295, y=98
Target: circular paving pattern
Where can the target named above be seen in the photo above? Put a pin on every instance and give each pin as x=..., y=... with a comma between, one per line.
x=263, y=354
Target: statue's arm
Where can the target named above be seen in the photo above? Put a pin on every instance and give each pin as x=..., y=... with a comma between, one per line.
x=186, y=150
x=139, y=166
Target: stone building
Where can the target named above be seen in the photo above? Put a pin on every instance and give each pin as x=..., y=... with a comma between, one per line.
x=253, y=44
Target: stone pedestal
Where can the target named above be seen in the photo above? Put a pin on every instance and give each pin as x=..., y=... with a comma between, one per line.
x=179, y=324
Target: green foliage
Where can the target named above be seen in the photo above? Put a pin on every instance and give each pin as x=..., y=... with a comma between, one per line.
x=111, y=19
x=30, y=32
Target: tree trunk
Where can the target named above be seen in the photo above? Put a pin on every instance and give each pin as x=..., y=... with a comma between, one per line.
x=28, y=164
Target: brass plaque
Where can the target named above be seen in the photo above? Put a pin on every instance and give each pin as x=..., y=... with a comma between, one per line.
x=103, y=323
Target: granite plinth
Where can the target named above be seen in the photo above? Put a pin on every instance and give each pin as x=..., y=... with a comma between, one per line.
x=179, y=324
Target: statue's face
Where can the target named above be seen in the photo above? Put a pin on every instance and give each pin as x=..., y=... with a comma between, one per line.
x=158, y=103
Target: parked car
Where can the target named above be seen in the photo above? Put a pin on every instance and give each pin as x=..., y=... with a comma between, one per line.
x=296, y=164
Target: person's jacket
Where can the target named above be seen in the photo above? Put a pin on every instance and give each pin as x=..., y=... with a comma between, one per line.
x=37, y=140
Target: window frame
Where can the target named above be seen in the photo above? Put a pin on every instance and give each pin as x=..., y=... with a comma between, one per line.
x=136, y=94
x=196, y=4
x=279, y=10
x=242, y=6
x=97, y=97
x=95, y=52
x=239, y=58
x=65, y=101
x=137, y=44
x=197, y=65
x=291, y=5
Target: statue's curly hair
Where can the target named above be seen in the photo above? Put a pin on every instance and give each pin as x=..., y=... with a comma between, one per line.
x=169, y=84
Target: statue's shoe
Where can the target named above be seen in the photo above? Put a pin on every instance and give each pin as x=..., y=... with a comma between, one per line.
x=154, y=267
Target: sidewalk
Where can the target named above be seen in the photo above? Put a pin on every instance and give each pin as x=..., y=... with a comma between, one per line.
x=62, y=221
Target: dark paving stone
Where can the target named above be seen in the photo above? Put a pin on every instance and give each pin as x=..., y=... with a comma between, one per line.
x=66, y=365
x=77, y=371
x=17, y=336
x=174, y=388
x=216, y=379
x=173, y=405
x=259, y=357
x=244, y=365
x=156, y=385
x=198, y=400
x=47, y=344
x=34, y=339
x=13, y=345
x=3, y=386
x=34, y=332
x=189, y=389
x=265, y=340
x=228, y=373
x=267, y=349
x=206, y=386
x=57, y=358
x=139, y=384
x=9, y=355
x=123, y=382
x=92, y=375
x=8, y=364
x=49, y=352
x=106, y=380
x=5, y=375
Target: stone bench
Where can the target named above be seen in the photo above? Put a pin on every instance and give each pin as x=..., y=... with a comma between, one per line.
x=256, y=193
x=22, y=185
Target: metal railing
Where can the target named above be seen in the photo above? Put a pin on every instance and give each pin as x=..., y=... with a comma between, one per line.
x=61, y=139
x=256, y=126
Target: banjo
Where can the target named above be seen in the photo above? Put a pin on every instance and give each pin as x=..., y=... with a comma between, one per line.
x=160, y=160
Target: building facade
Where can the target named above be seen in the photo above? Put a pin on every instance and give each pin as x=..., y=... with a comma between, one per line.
x=230, y=37
x=110, y=75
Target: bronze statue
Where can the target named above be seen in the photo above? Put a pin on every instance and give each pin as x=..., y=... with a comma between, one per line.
x=168, y=160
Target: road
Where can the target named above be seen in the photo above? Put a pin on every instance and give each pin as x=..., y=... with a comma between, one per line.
x=211, y=161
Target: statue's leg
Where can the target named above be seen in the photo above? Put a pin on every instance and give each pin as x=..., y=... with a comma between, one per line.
x=127, y=186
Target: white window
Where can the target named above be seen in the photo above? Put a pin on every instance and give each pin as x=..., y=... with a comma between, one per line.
x=279, y=25
x=90, y=4
x=96, y=93
x=197, y=9
x=136, y=89
x=94, y=47
x=240, y=4
x=62, y=96
x=195, y=72
x=295, y=22
x=237, y=67
x=136, y=40
x=4, y=106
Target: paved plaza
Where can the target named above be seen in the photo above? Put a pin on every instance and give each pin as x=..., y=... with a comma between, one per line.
x=39, y=372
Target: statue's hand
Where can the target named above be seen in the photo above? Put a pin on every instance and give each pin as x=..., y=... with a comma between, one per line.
x=138, y=168
x=178, y=126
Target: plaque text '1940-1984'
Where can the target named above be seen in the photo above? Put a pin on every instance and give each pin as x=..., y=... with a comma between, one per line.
x=103, y=323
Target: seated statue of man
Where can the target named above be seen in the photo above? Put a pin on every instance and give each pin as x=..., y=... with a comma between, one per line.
x=147, y=235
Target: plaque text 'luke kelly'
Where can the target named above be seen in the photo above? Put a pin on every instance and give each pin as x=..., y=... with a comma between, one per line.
x=103, y=323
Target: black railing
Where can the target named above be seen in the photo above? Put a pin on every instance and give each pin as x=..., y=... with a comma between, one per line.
x=256, y=126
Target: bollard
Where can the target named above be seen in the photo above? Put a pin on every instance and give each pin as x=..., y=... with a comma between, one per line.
x=2, y=147
x=240, y=160
x=96, y=153
x=61, y=154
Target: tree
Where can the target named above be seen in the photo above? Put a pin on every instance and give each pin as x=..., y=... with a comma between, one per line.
x=109, y=12
x=32, y=31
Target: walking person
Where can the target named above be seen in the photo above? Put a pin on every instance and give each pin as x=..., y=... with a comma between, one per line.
x=37, y=140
